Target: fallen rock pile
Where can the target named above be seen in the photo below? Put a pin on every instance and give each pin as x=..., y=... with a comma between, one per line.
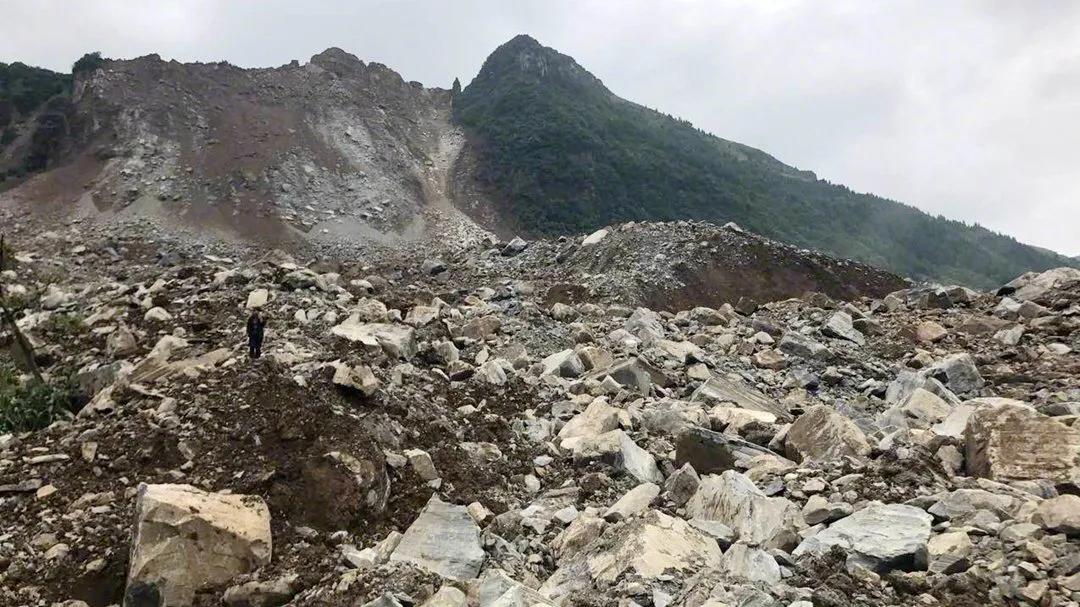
x=444, y=434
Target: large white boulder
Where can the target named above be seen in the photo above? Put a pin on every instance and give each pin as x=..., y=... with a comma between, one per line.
x=187, y=540
x=397, y=341
x=598, y=418
x=1011, y=443
x=734, y=500
x=647, y=546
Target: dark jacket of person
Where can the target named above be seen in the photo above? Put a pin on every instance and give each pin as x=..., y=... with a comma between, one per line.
x=255, y=327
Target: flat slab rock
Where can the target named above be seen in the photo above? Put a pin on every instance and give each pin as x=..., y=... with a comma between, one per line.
x=444, y=540
x=723, y=389
x=881, y=537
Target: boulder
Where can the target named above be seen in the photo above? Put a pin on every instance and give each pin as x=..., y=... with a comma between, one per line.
x=444, y=540
x=648, y=547
x=948, y=552
x=257, y=299
x=840, y=326
x=712, y=452
x=419, y=316
x=515, y=246
x=1011, y=443
x=634, y=501
x=959, y=373
x=645, y=325
x=823, y=434
x=682, y=485
x=595, y=237
x=820, y=510
x=397, y=341
x=187, y=540
x=121, y=342
x=1060, y=514
x=635, y=374
x=734, y=390
x=357, y=377
x=269, y=593
x=682, y=351
x=482, y=328
x=563, y=364
x=734, y=500
x=881, y=537
x=598, y=418
x=961, y=505
x=618, y=450
x=750, y=563
x=796, y=344
x=930, y=332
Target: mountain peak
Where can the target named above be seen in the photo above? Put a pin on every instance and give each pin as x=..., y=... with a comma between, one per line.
x=337, y=61
x=523, y=60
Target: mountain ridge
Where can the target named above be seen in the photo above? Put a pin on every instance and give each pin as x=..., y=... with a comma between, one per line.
x=534, y=145
x=558, y=152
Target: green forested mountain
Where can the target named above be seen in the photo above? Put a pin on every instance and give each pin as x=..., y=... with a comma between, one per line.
x=24, y=88
x=558, y=153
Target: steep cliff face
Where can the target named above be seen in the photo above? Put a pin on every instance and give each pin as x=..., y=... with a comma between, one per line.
x=335, y=147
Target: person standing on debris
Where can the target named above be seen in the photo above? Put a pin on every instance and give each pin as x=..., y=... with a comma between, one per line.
x=255, y=328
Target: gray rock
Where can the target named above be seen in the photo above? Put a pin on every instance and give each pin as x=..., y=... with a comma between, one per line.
x=840, y=326
x=563, y=364
x=750, y=563
x=633, y=502
x=881, y=537
x=959, y=373
x=796, y=344
x=444, y=540
x=618, y=450
x=719, y=389
x=732, y=499
x=635, y=374
x=823, y=434
x=682, y=485
x=714, y=452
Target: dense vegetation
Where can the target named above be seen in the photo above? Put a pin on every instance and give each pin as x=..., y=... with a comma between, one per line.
x=36, y=101
x=24, y=88
x=562, y=154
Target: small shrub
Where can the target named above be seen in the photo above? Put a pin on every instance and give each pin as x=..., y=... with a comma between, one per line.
x=7, y=257
x=67, y=325
x=88, y=63
x=31, y=405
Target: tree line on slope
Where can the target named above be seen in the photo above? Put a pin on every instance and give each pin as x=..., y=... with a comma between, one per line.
x=564, y=156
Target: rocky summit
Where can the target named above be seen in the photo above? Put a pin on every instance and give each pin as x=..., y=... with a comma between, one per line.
x=655, y=414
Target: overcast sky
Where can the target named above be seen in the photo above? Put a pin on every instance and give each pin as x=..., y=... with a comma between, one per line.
x=966, y=109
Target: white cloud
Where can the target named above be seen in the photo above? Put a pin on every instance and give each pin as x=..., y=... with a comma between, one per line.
x=964, y=108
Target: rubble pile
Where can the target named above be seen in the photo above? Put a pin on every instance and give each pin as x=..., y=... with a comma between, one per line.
x=520, y=424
